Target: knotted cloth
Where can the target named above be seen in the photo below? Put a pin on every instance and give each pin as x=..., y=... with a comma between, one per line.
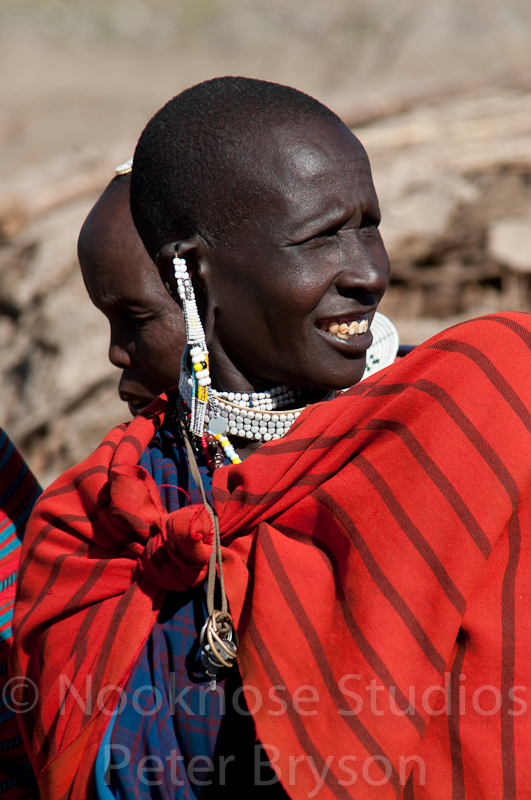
x=377, y=563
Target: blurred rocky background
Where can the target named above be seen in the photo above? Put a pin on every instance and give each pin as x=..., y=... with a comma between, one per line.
x=439, y=91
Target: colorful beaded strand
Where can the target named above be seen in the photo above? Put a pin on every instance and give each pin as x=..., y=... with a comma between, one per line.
x=196, y=347
x=228, y=449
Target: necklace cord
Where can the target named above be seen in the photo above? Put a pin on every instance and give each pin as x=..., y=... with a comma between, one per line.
x=215, y=557
x=218, y=639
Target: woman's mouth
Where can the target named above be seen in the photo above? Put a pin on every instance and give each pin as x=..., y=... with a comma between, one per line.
x=135, y=403
x=344, y=327
x=136, y=408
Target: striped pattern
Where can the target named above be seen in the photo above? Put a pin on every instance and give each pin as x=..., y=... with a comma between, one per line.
x=378, y=551
x=18, y=493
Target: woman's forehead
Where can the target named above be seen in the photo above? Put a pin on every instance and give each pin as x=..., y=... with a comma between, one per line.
x=311, y=152
x=313, y=164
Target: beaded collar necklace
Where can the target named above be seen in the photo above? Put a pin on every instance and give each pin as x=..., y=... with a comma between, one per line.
x=258, y=416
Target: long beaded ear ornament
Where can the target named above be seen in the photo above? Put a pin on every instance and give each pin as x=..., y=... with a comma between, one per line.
x=195, y=349
x=195, y=381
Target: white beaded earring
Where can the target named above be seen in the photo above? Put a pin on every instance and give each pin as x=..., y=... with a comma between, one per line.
x=195, y=347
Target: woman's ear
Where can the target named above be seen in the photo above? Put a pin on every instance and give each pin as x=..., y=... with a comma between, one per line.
x=194, y=252
x=197, y=254
x=164, y=262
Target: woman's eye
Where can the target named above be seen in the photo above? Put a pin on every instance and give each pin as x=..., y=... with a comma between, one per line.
x=370, y=222
x=328, y=233
x=137, y=318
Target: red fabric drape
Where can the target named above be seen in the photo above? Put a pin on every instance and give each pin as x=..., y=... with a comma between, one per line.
x=378, y=551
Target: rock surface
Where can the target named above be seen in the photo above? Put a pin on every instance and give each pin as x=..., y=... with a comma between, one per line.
x=58, y=395
x=454, y=180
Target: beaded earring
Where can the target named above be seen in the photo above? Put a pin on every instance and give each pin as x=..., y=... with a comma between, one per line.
x=195, y=348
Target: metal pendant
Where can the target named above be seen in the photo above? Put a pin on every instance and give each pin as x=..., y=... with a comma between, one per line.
x=219, y=642
x=217, y=425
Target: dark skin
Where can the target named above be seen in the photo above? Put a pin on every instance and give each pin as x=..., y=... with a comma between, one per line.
x=311, y=254
x=147, y=328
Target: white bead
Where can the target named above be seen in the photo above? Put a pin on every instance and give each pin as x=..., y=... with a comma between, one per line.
x=241, y=433
x=250, y=414
x=263, y=429
x=249, y=434
x=205, y=382
x=275, y=436
x=233, y=431
x=237, y=396
x=282, y=418
x=230, y=396
x=267, y=437
x=266, y=417
x=291, y=417
x=196, y=351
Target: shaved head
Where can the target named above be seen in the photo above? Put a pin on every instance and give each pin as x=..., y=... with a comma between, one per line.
x=196, y=167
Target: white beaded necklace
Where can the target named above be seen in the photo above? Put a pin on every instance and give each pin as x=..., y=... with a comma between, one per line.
x=260, y=416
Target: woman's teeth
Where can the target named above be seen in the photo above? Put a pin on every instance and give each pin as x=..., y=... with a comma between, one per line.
x=344, y=330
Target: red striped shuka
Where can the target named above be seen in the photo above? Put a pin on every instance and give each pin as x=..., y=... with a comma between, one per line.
x=377, y=560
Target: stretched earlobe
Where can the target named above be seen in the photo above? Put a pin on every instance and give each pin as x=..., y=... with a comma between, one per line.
x=190, y=250
x=164, y=262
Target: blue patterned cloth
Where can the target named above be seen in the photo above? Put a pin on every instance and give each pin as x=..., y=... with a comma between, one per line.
x=172, y=737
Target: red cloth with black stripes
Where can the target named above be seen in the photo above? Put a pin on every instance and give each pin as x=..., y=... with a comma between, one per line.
x=377, y=562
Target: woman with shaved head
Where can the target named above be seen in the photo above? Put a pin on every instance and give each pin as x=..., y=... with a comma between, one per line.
x=266, y=585
x=147, y=330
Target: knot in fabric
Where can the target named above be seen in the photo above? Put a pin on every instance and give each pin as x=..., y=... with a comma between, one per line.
x=177, y=553
x=173, y=549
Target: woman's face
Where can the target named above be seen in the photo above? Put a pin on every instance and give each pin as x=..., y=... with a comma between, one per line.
x=310, y=259
x=147, y=328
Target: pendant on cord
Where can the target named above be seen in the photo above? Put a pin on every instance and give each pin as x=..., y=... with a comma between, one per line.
x=218, y=641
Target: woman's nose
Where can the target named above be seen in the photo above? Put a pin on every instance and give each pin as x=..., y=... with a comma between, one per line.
x=365, y=271
x=119, y=352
